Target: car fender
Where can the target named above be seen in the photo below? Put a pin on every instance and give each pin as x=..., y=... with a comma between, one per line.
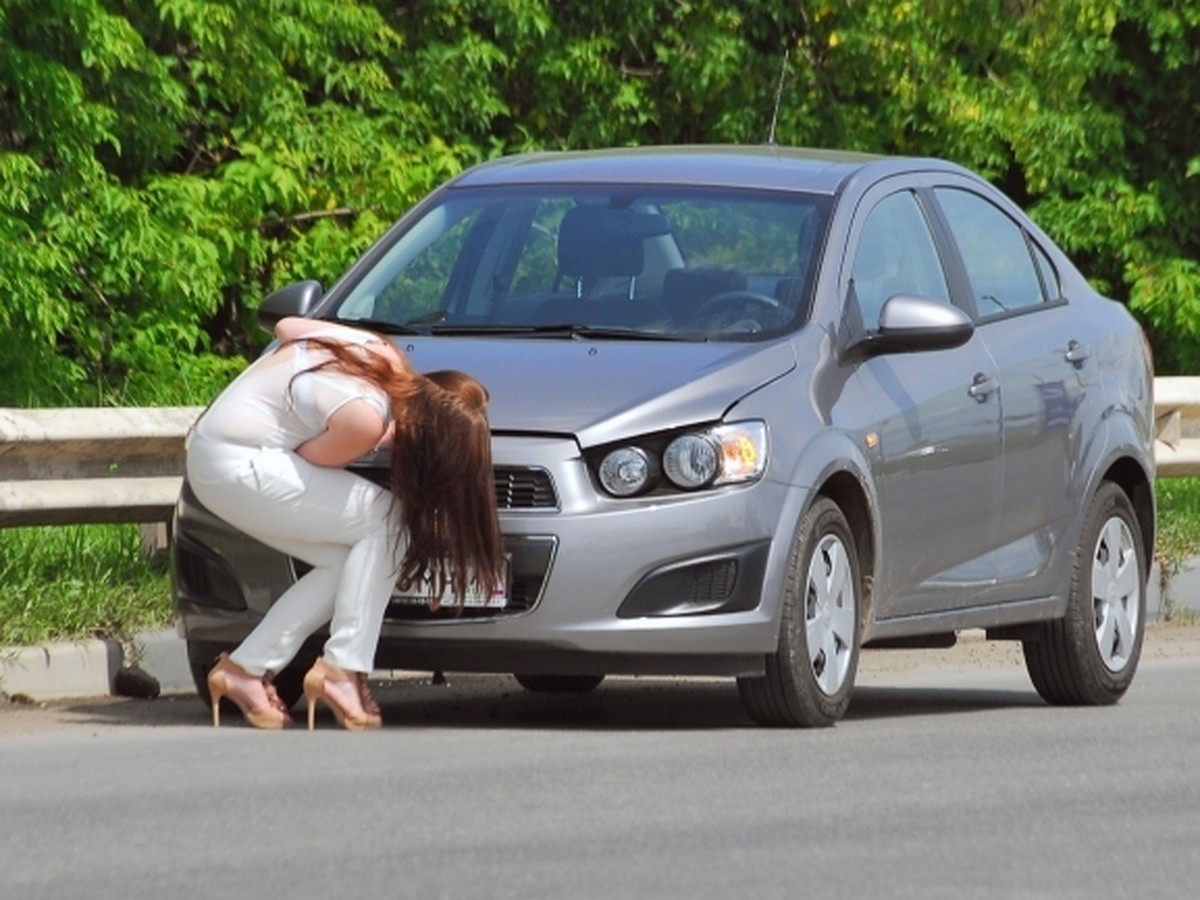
x=1121, y=437
x=830, y=457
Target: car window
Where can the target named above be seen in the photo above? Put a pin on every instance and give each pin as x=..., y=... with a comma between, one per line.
x=537, y=266
x=1051, y=286
x=896, y=255
x=1006, y=270
x=675, y=262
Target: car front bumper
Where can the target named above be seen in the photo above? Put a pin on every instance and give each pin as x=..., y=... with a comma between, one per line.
x=684, y=584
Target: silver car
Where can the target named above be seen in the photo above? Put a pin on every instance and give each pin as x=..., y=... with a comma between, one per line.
x=753, y=410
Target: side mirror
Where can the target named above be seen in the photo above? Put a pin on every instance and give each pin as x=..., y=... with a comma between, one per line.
x=294, y=300
x=910, y=324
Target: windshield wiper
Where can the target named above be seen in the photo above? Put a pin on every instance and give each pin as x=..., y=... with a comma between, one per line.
x=383, y=326
x=571, y=330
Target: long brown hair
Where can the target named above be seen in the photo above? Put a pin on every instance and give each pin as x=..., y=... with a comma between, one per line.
x=441, y=472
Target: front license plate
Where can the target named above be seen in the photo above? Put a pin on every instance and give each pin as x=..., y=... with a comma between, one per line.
x=423, y=595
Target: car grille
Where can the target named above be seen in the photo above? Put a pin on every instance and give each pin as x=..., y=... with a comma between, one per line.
x=524, y=489
x=529, y=562
x=516, y=487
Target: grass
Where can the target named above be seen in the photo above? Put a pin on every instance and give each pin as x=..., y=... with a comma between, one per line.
x=74, y=582
x=1178, y=533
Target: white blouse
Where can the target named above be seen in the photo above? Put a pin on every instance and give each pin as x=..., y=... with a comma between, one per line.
x=273, y=404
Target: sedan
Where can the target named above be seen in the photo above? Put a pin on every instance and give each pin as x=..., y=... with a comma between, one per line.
x=753, y=409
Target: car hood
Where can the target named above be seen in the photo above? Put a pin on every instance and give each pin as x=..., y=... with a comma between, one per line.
x=600, y=391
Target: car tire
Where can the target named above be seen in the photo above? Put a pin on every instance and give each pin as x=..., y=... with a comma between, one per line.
x=559, y=684
x=810, y=677
x=289, y=683
x=1088, y=657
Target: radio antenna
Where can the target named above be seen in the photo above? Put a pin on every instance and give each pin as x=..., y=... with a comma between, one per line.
x=778, y=95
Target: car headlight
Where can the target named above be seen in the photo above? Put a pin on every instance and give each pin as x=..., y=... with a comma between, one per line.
x=625, y=471
x=743, y=448
x=691, y=460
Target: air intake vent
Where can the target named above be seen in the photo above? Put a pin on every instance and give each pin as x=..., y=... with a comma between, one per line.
x=713, y=583
x=524, y=489
x=516, y=488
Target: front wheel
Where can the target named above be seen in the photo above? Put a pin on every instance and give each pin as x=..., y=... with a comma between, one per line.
x=810, y=676
x=1088, y=657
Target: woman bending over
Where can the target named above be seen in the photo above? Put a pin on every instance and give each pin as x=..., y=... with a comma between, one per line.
x=268, y=456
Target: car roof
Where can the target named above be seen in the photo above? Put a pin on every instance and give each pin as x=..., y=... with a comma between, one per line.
x=766, y=166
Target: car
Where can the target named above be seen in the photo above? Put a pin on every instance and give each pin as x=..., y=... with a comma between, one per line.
x=753, y=410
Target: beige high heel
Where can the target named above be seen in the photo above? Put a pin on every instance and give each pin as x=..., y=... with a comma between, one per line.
x=271, y=716
x=316, y=688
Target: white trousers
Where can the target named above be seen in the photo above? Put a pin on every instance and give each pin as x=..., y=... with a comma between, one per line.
x=337, y=522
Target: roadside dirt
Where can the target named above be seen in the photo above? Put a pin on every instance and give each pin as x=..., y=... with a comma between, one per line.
x=1164, y=640
x=412, y=696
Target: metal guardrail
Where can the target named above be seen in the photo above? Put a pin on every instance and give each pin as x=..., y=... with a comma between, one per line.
x=1177, y=426
x=79, y=466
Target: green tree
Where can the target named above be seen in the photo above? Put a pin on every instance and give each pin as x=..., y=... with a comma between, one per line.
x=165, y=163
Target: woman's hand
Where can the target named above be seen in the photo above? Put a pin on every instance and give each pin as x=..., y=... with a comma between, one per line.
x=294, y=328
x=389, y=435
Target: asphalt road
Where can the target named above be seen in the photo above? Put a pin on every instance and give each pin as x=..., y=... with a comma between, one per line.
x=949, y=778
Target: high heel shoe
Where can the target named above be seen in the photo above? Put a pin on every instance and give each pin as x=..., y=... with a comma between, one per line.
x=316, y=687
x=270, y=716
x=370, y=707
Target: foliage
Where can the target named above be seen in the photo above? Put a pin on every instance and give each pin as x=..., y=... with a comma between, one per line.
x=165, y=163
x=1178, y=535
x=76, y=582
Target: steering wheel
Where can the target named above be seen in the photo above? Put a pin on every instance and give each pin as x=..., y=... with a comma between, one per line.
x=735, y=302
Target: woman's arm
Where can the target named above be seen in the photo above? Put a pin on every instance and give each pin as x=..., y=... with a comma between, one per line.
x=355, y=429
x=291, y=328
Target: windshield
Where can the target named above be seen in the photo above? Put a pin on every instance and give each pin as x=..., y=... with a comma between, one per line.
x=652, y=263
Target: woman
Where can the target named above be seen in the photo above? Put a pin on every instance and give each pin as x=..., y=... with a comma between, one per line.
x=268, y=457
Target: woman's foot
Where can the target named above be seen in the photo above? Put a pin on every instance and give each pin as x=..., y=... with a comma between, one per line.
x=345, y=694
x=370, y=707
x=255, y=696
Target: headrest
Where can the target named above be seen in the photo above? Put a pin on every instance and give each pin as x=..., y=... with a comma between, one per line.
x=597, y=241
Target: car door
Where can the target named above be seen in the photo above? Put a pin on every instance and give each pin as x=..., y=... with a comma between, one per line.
x=935, y=436
x=1043, y=357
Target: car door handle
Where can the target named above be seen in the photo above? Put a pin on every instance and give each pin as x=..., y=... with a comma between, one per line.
x=982, y=387
x=1076, y=354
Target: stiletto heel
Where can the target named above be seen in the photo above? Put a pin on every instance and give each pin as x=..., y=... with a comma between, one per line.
x=312, y=708
x=316, y=687
x=271, y=716
x=215, y=693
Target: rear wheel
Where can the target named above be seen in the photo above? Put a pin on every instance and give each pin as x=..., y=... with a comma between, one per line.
x=810, y=677
x=1090, y=655
x=559, y=684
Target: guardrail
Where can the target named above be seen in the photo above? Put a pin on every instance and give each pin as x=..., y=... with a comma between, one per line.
x=79, y=466
x=1177, y=426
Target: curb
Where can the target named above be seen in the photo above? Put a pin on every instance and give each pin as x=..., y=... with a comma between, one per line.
x=59, y=671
